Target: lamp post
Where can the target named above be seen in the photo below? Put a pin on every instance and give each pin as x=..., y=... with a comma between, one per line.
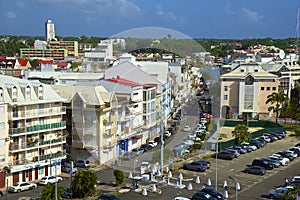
x=237, y=185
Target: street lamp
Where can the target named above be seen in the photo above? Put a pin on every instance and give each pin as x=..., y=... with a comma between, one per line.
x=134, y=167
x=237, y=186
x=216, y=159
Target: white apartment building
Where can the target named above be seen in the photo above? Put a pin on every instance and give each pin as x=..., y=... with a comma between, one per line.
x=31, y=130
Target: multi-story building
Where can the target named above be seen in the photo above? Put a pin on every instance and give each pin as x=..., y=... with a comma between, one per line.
x=93, y=113
x=33, y=53
x=70, y=46
x=50, y=31
x=31, y=130
x=244, y=92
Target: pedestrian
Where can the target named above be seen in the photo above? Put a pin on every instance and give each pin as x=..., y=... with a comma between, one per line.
x=286, y=182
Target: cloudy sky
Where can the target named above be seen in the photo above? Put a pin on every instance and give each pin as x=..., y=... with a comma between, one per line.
x=233, y=19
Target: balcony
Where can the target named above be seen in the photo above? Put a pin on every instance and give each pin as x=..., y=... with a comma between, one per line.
x=48, y=156
x=22, y=161
x=43, y=127
x=37, y=113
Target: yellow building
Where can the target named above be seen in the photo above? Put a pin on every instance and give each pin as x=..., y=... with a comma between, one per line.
x=244, y=92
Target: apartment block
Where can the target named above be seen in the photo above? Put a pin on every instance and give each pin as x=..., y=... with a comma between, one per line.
x=244, y=92
x=32, y=135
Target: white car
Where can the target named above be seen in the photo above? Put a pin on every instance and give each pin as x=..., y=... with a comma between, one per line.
x=282, y=162
x=292, y=153
x=186, y=129
x=265, y=138
x=152, y=144
x=253, y=147
x=181, y=198
x=50, y=179
x=167, y=133
x=22, y=186
x=281, y=157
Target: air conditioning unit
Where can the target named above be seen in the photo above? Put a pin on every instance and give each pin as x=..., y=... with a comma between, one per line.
x=7, y=139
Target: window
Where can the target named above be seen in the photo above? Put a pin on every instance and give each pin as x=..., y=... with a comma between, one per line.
x=225, y=88
x=262, y=88
x=2, y=158
x=225, y=97
x=2, y=109
x=27, y=92
x=256, y=70
x=242, y=70
x=136, y=93
x=268, y=88
x=1, y=93
x=14, y=92
x=2, y=126
x=274, y=88
x=40, y=91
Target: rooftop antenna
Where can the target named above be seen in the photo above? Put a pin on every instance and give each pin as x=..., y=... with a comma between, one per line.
x=297, y=32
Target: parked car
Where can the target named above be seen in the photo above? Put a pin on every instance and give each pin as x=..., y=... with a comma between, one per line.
x=146, y=147
x=212, y=192
x=279, y=159
x=181, y=198
x=278, y=192
x=107, y=196
x=205, y=162
x=276, y=135
x=186, y=129
x=22, y=186
x=292, y=153
x=256, y=143
x=67, y=168
x=82, y=163
x=275, y=163
x=225, y=155
x=252, y=146
x=239, y=149
x=295, y=150
x=195, y=166
x=263, y=163
x=286, y=155
x=50, y=179
x=265, y=138
x=271, y=136
x=67, y=193
x=138, y=151
x=152, y=144
x=245, y=147
x=202, y=196
x=258, y=170
x=167, y=133
x=295, y=178
x=234, y=152
x=281, y=133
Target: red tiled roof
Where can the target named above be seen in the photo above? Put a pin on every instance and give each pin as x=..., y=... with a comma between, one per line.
x=45, y=61
x=123, y=82
x=23, y=62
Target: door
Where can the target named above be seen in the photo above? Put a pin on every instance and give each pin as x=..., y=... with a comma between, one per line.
x=16, y=177
x=2, y=179
x=24, y=176
x=46, y=170
x=36, y=173
x=30, y=175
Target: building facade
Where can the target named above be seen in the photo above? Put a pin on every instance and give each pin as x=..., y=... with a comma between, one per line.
x=32, y=130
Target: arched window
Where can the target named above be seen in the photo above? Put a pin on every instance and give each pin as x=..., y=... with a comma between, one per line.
x=14, y=93
x=1, y=93
x=27, y=92
x=40, y=92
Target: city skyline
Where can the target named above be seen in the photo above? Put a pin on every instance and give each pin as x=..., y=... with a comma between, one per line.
x=197, y=19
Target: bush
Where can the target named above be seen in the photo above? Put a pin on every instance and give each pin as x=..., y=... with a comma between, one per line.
x=297, y=132
x=119, y=175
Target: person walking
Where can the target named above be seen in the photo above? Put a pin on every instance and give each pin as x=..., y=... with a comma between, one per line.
x=286, y=182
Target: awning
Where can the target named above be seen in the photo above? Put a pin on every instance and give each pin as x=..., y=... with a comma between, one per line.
x=137, y=137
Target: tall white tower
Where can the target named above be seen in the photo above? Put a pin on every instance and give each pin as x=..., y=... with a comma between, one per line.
x=50, y=32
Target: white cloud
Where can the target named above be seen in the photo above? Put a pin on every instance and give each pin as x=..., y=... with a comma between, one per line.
x=166, y=15
x=251, y=15
x=11, y=15
x=20, y=5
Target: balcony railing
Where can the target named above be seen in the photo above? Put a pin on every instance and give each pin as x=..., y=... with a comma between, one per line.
x=48, y=156
x=38, y=113
x=41, y=127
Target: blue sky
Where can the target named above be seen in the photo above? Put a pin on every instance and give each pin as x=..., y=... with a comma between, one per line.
x=232, y=19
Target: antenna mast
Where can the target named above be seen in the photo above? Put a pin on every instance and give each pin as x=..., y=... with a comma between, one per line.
x=297, y=32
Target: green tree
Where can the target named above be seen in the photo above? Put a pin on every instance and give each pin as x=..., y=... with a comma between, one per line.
x=119, y=175
x=291, y=193
x=277, y=98
x=48, y=192
x=241, y=133
x=83, y=184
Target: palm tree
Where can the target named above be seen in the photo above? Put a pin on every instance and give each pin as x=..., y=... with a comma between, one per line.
x=279, y=98
x=84, y=182
x=241, y=133
x=48, y=192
